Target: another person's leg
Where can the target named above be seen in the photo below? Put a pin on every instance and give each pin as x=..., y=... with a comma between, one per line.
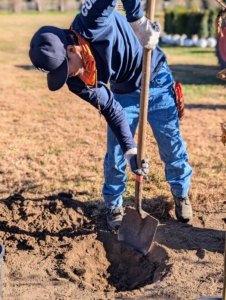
x=163, y=118
x=115, y=163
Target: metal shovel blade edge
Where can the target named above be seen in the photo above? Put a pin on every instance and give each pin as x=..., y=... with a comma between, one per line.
x=137, y=232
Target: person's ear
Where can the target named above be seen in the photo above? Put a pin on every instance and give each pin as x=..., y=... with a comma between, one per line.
x=70, y=49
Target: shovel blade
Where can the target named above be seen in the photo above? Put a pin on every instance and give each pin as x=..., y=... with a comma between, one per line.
x=137, y=232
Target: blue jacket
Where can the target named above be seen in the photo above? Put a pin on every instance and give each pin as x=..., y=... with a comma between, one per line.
x=118, y=56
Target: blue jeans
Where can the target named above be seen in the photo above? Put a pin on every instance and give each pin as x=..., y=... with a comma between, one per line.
x=163, y=119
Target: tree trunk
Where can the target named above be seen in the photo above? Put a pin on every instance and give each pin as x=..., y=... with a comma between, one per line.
x=41, y=5
x=62, y=5
x=17, y=6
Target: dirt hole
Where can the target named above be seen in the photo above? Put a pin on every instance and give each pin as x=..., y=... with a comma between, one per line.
x=82, y=251
x=104, y=264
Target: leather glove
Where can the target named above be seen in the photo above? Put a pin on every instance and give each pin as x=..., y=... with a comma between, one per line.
x=177, y=87
x=147, y=32
x=131, y=156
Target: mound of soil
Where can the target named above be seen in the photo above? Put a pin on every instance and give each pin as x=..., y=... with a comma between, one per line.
x=66, y=243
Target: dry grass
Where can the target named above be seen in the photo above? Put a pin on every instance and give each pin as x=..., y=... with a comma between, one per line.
x=54, y=141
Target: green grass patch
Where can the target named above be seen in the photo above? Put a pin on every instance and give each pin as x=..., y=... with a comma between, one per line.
x=37, y=13
x=196, y=68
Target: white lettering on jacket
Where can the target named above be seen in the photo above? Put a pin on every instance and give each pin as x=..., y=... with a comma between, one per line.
x=86, y=6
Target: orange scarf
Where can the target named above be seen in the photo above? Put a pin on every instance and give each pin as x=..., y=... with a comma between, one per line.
x=89, y=76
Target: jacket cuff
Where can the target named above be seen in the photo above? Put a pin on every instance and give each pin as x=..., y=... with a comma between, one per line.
x=131, y=151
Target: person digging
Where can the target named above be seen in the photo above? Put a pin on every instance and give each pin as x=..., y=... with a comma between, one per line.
x=102, y=47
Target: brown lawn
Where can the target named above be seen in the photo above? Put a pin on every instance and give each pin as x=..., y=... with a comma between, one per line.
x=52, y=219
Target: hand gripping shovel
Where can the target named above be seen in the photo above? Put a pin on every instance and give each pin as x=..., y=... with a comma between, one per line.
x=138, y=227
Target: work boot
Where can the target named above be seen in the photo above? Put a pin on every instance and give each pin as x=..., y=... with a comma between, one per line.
x=183, y=209
x=114, y=217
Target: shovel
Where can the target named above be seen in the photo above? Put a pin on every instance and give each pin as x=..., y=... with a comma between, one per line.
x=138, y=227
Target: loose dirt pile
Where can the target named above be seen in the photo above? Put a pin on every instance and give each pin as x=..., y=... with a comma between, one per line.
x=82, y=252
x=60, y=242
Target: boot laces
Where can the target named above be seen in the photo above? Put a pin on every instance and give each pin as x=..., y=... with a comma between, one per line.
x=183, y=199
x=115, y=211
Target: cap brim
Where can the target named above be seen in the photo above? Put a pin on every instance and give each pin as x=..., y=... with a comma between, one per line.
x=58, y=77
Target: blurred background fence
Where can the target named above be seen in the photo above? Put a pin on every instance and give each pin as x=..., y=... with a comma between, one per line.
x=18, y=6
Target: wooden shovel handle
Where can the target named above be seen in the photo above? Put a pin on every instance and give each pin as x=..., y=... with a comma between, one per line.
x=145, y=82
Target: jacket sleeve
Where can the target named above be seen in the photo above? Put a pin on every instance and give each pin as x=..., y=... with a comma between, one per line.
x=133, y=9
x=110, y=109
x=97, y=13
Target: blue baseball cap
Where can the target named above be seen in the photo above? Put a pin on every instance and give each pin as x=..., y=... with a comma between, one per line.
x=48, y=53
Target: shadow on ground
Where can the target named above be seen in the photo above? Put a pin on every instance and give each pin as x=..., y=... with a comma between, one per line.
x=170, y=232
x=205, y=106
x=85, y=251
x=196, y=74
